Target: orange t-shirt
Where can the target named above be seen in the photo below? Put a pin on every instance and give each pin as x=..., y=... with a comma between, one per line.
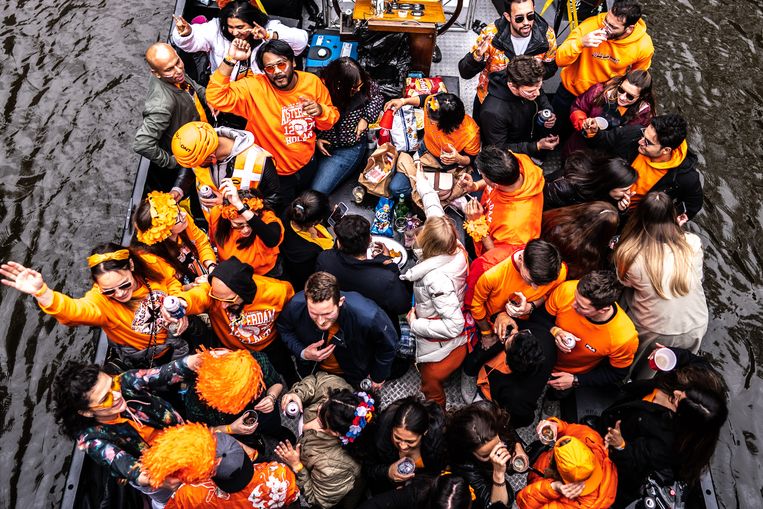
x=275, y=116
x=497, y=363
x=466, y=137
x=261, y=257
x=616, y=338
x=497, y=285
x=514, y=218
x=330, y=364
x=124, y=324
x=650, y=172
x=255, y=327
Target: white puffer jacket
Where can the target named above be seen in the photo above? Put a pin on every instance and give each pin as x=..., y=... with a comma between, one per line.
x=439, y=284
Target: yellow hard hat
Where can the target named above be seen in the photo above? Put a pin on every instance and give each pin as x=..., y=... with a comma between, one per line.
x=193, y=143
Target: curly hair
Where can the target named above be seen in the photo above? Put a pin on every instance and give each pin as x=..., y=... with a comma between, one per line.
x=524, y=70
x=524, y=355
x=70, y=395
x=671, y=129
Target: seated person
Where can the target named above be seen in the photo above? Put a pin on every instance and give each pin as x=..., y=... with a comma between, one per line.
x=407, y=430
x=583, y=234
x=576, y=473
x=516, y=287
x=305, y=236
x=377, y=278
x=92, y=408
x=586, y=177
x=451, y=137
x=173, y=100
x=239, y=19
x=169, y=233
x=487, y=446
x=596, y=339
x=343, y=147
x=216, y=471
x=125, y=301
x=623, y=100
x=216, y=154
x=333, y=417
x=243, y=308
x=509, y=117
x=662, y=159
x=230, y=382
x=342, y=333
x=247, y=229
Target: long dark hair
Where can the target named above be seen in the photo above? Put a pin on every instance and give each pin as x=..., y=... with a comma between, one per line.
x=243, y=10
x=167, y=249
x=223, y=227
x=639, y=78
x=70, y=395
x=450, y=112
x=340, y=77
x=582, y=234
x=140, y=270
x=475, y=425
x=594, y=175
x=423, y=418
x=447, y=491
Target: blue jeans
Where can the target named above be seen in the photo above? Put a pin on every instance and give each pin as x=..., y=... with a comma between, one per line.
x=400, y=183
x=334, y=170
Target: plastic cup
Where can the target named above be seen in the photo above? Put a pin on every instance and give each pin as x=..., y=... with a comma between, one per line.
x=250, y=418
x=602, y=123
x=402, y=14
x=519, y=464
x=546, y=434
x=663, y=360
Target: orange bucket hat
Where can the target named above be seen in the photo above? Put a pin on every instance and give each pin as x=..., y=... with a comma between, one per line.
x=576, y=462
x=229, y=380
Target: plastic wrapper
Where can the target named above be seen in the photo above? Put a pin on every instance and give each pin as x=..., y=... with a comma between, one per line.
x=383, y=218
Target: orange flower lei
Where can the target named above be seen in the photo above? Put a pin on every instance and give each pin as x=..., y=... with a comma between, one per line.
x=255, y=205
x=477, y=229
x=164, y=214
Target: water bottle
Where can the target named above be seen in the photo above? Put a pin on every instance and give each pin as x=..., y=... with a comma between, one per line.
x=173, y=307
x=544, y=116
x=206, y=192
x=406, y=467
x=292, y=410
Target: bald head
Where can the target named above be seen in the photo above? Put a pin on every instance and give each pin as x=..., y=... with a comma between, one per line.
x=165, y=63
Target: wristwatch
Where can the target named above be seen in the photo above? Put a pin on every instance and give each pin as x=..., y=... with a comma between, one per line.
x=575, y=381
x=228, y=61
x=243, y=209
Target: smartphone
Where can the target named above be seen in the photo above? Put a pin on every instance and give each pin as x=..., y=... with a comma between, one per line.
x=680, y=208
x=339, y=211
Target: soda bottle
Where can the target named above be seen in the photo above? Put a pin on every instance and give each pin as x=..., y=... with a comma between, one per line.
x=401, y=213
x=173, y=307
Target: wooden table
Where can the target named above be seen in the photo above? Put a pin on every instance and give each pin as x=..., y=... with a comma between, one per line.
x=421, y=30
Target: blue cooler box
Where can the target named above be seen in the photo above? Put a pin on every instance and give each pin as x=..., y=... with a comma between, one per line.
x=327, y=47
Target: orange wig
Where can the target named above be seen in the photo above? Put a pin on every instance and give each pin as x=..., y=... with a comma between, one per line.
x=229, y=381
x=186, y=452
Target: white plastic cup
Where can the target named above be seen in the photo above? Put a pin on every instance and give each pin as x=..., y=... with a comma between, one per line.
x=602, y=123
x=664, y=359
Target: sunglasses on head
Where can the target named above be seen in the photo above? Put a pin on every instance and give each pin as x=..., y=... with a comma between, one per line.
x=111, y=291
x=281, y=66
x=621, y=91
x=521, y=17
x=108, y=401
x=231, y=300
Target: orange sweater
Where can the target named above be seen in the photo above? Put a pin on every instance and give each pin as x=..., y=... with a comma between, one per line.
x=124, y=324
x=615, y=339
x=514, y=218
x=584, y=67
x=497, y=285
x=255, y=327
x=258, y=255
x=275, y=116
x=466, y=138
x=538, y=494
x=650, y=172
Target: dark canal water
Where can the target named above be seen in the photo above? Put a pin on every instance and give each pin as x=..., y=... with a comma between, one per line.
x=72, y=82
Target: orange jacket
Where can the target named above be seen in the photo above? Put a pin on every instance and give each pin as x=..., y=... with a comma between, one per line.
x=255, y=327
x=261, y=257
x=275, y=116
x=538, y=494
x=514, y=218
x=124, y=324
x=585, y=67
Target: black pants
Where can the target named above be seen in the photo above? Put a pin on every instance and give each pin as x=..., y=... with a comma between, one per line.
x=280, y=357
x=562, y=104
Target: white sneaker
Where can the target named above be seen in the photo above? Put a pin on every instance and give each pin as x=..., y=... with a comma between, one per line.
x=469, y=388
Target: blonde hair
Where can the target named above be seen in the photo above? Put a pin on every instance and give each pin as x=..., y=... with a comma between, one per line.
x=650, y=230
x=438, y=237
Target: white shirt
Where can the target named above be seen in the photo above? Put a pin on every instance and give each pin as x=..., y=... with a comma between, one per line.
x=520, y=44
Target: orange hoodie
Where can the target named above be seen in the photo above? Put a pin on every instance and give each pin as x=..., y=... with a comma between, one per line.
x=255, y=327
x=650, y=172
x=261, y=257
x=585, y=67
x=538, y=494
x=275, y=116
x=124, y=324
x=514, y=218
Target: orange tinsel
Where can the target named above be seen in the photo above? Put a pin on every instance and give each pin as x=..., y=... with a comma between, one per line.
x=228, y=382
x=255, y=205
x=186, y=452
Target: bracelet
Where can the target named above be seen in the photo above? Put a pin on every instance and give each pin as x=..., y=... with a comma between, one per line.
x=555, y=331
x=299, y=468
x=228, y=429
x=575, y=381
x=486, y=332
x=39, y=293
x=500, y=484
x=229, y=62
x=274, y=398
x=243, y=209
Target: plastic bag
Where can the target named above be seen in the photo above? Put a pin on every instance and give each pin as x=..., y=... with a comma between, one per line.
x=383, y=218
x=387, y=58
x=405, y=136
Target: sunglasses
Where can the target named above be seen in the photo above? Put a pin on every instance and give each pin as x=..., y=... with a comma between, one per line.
x=521, y=18
x=231, y=300
x=621, y=91
x=108, y=292
x=108, y=401
x=646, y=140
x=280, y=66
